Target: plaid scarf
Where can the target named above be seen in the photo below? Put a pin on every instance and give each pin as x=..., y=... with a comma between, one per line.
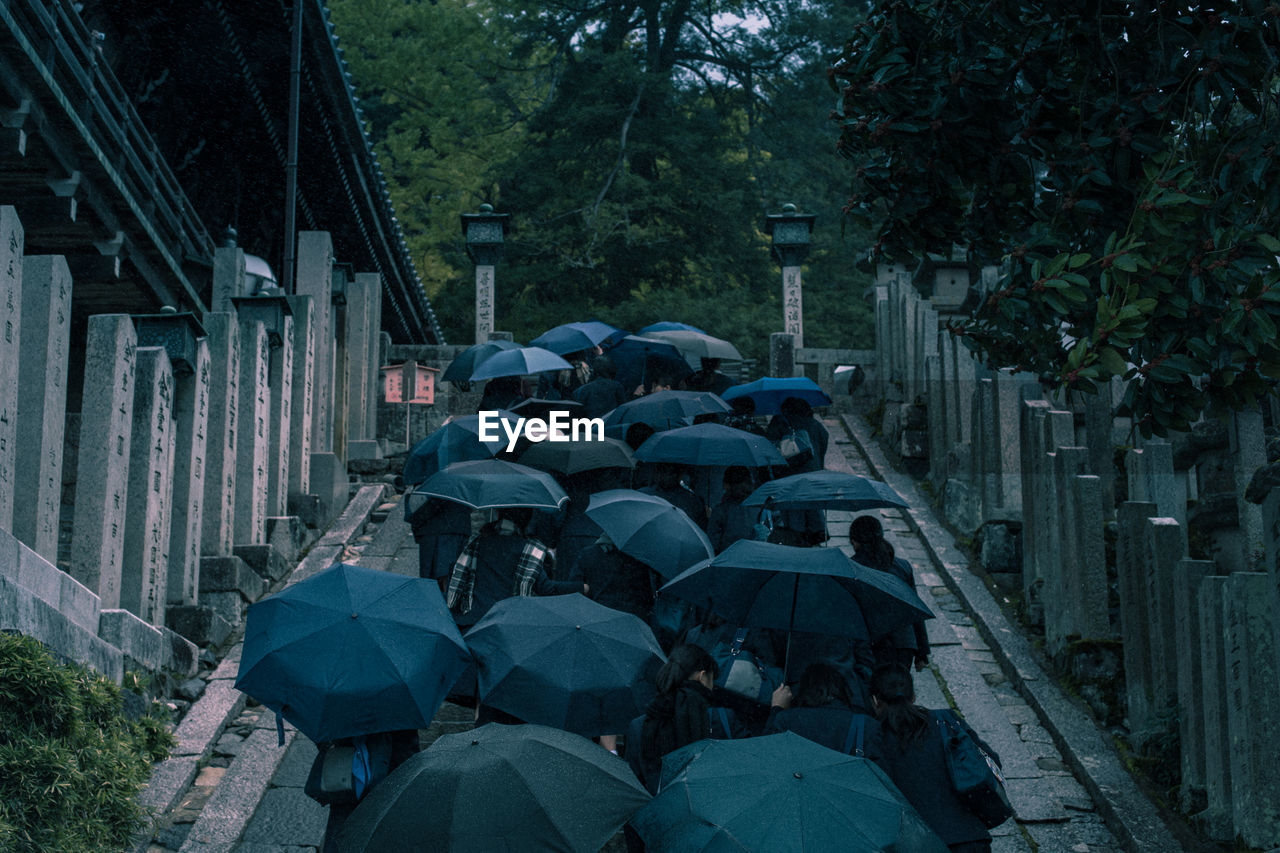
x=462, y=580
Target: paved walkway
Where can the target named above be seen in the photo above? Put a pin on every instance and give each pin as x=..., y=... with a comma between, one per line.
x=253, y=802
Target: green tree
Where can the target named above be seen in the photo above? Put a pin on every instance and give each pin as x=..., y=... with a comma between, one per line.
x=1118, y=160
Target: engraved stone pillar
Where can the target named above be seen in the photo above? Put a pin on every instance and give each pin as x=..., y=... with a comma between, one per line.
x=223, y=329
x=252, y=441
x=10, y=350
x=147, y=523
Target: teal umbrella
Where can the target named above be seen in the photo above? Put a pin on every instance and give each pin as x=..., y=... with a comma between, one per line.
x=459, y=440
x=494, y=484
x=825, y=490
x=352, y=651
x=665, y=409
x=519, y=362
x=768, y=392
x=650, y=529
x=778, y=794
x=576, y=337
x=710, y=444
x=465, y=362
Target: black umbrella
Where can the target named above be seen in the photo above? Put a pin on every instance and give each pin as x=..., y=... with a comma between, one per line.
x=498, y=788
x=576, y=456
x=666, y=409
x=493, y=484
x=826, y=490
x=712, y=445
x=465, y=362
x=650, y=529
x=565, y=661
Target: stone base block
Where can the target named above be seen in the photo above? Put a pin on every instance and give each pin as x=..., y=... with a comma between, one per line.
x=141, y=643
x=49, y=583
x=330, y=482
x=230, y=574
x=268, y=563
x=306, y=508
x=201, y=625
x=914, y=444
x=26, y=613
x=369, y=468
x=181, y=656
x=289, y=536
x=363, y=450
x=230, y=606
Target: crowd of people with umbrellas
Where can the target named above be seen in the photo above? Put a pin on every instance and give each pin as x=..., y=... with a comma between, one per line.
x=757, y=684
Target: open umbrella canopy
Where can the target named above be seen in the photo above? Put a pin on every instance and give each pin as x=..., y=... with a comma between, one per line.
x=650, y=530
x=639, y=360
x=826, y=490
x=710, y=444
x=696, y=346
x=565, y=661
x=575, y=337
x=779, y=793
x=456, y=441
x=519, y=362
x=352, y=651
x=666, y=409
x=578, y=455
x=768, y=393
x=669, y=326
x=494, y=484
x=537, y=407
x=466, y=362
x=498, y=788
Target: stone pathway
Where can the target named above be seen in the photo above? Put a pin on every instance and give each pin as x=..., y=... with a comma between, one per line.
x=255, y=804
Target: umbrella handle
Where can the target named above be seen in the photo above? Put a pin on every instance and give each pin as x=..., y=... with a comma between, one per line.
x=791, y=626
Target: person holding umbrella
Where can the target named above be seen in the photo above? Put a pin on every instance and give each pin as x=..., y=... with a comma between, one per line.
x=910, y=643
x=667, y=485
x=708, y=378
x=616, y=580
x=498, y=562
x=602, y=394
x=730, y=520
x=826, y=711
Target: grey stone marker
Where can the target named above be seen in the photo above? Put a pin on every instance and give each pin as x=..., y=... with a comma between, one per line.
x=1098, y=438
x=880, y=305
x=1249, y=447
x=1166, y=545
x=1152, y=478
x=280, y=445
x=1187, y=577
x=339, y=427
x=191, y=431
x=252, y=441
x=375, y=361
x=102, y=477
x=217, y=539
x=1135, y=628
x=1271, y=545
x=147, y=523
x=1090, y=613
x=782, y=354
x=42, y=401
x=1253, y=714
x=1060, y=592
x=228, y=277
x=936, y=412
x=11, y=237
x=300, y=419
x=361, y=294
x=1217, y=816
x=314, y=279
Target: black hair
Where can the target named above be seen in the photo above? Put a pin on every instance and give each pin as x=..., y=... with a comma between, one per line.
x=518, y=515
x=795, y=407
x=867, y=537
x=602, y=365
x=892, y=686
x=822, y=684
x=737, y=474
x=637, y=434
x=683, y=662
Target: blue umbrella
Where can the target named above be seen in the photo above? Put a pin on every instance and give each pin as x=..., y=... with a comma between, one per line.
x=710, y=444
x=456, y=441
x=665, y=409
x=352, y=651
x=769, y=392
x=650, y=529
x=519, y=362
x=575, y=337
x=493, y=484
x=565, y=661
x=825, y=490
x=638, y=360
x=669, y=326
x=780, y=793
x=465, y=362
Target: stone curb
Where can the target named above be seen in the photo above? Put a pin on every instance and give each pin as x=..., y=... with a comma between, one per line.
x=221, y=703
x=1127, y=812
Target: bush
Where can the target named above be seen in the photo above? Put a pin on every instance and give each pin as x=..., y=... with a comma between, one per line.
x=71, y=762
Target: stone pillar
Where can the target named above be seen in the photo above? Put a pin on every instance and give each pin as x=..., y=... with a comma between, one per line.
x=340, y=428
x=1151, y=478
x=1087, y=579
x=218, y=537
x=11, y=237
x=361, y=336
x=936, y=411
x=1062, y=566
x=1217, y=816
x=374, y=382
x=191, y=430
x=1187, y=577
x=1166, y=545
x=792, y=304
x=1249, y=447
x=148, y=521
x=782, y=354
x=1097, y=432
x=42, y=401
x=304, y=348
x=880, y=305
x=280, y=418
x=228, y=277
x=1009, y=389
x=1253, y=714
x=252, y=441
x=102, y=477
x=1135, y=629
x=484, y=302
x=314, y=279
x=1271, y=546
x=910, y=332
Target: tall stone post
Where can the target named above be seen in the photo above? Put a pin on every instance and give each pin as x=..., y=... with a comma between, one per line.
x=148, y=521
x=1166, y=545
x=280, y=417
x=42, y=401
x=314, y=279
x=1217, y=816
x=782, y=354
x=304, y=349
x=360, y=336
x=11, y=237
x=1187, y=577
x=218, y=523
x=228, y=277
x=484, y=301
x=1135, y=628
x=191, y=430
x=485, y=232
x=375, y=362
x=341, y=426
x=252, y=441
x=791, y=233
x=102, y=471
x=1249, y=447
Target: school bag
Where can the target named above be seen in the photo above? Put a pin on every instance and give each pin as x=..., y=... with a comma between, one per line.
x=796, y=446
x=975, y=776
x=741, y=672
x=344, y=772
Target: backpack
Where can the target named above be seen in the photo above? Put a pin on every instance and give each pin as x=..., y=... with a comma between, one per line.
x=796, y=446
x=975, y=776
x=344, y=772
x=742, y=673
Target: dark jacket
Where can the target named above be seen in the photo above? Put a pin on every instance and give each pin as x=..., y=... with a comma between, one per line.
x=920, y=772
x=661, y=723
x=577, y=533
x=616, y=580
x=908, y=643
x=440, y=528
x=731, y=521
x=497, y=554
x=829, y=725
x=599, y=397
x=780, y=425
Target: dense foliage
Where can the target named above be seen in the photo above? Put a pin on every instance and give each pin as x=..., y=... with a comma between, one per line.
x=1117, y=159
x=71, y=763
x=638, y=147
